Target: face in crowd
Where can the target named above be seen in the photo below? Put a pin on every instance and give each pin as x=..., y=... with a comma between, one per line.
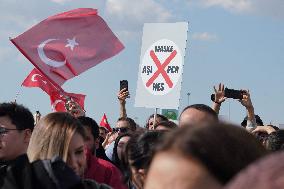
x=103, y=132
x=59, y=134
x=13, y=142
x=16, y=125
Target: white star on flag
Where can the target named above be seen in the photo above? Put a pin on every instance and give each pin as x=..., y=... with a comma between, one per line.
x=71, y=43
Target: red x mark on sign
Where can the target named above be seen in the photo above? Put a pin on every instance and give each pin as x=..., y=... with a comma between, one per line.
x=161, y=68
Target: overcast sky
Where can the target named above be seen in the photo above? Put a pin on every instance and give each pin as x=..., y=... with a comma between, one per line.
x=238, y=42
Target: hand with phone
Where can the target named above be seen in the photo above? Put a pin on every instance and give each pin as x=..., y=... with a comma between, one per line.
x=122, y=95
x=246, y=100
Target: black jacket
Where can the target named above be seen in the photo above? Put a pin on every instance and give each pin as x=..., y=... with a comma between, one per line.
x=45, y=174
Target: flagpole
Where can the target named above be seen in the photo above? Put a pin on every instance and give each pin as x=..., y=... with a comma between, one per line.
x=155, y=117
x=18, y=93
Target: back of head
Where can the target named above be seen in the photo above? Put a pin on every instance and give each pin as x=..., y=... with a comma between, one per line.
x=222, y=148
x=196, y=114
x=90, y=123
x=140, y=148
x=52, y=136
x=19, y=115
x=275, y=141
x=139, y=152
x=258, y=121
x=266, y=173
x=169, y=125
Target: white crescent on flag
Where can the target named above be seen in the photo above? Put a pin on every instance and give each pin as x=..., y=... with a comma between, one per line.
x=54, y=104
x=34, y=79
x=47, y=60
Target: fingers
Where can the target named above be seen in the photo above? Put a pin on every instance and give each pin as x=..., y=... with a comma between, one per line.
x=215, y=89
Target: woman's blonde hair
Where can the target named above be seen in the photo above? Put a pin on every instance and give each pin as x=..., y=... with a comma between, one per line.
x=52, y=135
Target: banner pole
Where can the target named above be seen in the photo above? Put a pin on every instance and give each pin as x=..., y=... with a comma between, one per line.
x=155, y=118
x=17, y=94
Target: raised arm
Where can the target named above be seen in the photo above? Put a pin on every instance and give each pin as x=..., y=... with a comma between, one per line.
x=122, y=95
x=247, y=103
x=219, y=97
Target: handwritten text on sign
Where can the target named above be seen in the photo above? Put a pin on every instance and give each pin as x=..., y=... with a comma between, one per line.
x=160, y=68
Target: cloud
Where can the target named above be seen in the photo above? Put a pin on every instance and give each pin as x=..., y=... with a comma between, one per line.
x=60, y=1
x=231, y=5
x=137, y=11
x=270, y=8
x=205, y=36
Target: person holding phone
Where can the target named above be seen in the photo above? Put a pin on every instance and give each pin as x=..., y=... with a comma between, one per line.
x=220, y=96
x=122, y=95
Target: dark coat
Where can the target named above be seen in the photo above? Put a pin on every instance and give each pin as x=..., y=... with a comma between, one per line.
x=43, y=174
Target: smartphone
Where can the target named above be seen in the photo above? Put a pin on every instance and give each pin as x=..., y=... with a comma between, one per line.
x=124, y=84
x=232, y=93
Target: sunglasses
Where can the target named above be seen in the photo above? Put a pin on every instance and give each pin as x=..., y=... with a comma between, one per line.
x=122, y=130
x=4, y=130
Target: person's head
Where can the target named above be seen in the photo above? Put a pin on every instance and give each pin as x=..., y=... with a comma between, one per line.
x=215, y=152
x=124, y=125
x=92, y=132
x=197, y=114
x=139, y=152
x=150, y=120
x=16, y=126
x=59, y=134
x=119, y=147
x=258, y=121
x=275, y=141
x=165, y=125
x=103, y=132
x=262, y=174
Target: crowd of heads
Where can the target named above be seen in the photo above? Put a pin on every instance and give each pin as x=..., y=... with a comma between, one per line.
x=196, y=151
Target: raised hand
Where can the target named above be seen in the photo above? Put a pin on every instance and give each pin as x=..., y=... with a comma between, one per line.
x=220, y=94
x=246, y=101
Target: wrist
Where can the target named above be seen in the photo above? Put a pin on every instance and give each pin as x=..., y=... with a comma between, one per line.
x=217, y=103
x=250, y=108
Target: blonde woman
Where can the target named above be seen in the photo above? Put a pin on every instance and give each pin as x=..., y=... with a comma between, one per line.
x=60, y=134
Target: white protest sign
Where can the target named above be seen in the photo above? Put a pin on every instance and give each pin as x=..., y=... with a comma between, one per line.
x=161, y=65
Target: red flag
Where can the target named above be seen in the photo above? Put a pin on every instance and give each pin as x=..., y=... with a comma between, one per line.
x=104, y=123
x=65, y=45
x=37, y=79
x=58, y=100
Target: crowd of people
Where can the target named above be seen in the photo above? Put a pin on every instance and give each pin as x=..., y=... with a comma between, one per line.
x=66, y=150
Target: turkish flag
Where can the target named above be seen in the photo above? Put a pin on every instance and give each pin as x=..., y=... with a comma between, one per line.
x=65, y=45
x=104, y=123
x=58, y=100
x=37, y=79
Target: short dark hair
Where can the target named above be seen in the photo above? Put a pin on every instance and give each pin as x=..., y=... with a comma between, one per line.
x=139, y=151
x=132, y=123
x=258, y=121
x=90, y=123
x=20, y=116
x=115, y=158
x=224, y=149
x=202, y=108
x=162, y=117
x=275, y=141
x=167, y=124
